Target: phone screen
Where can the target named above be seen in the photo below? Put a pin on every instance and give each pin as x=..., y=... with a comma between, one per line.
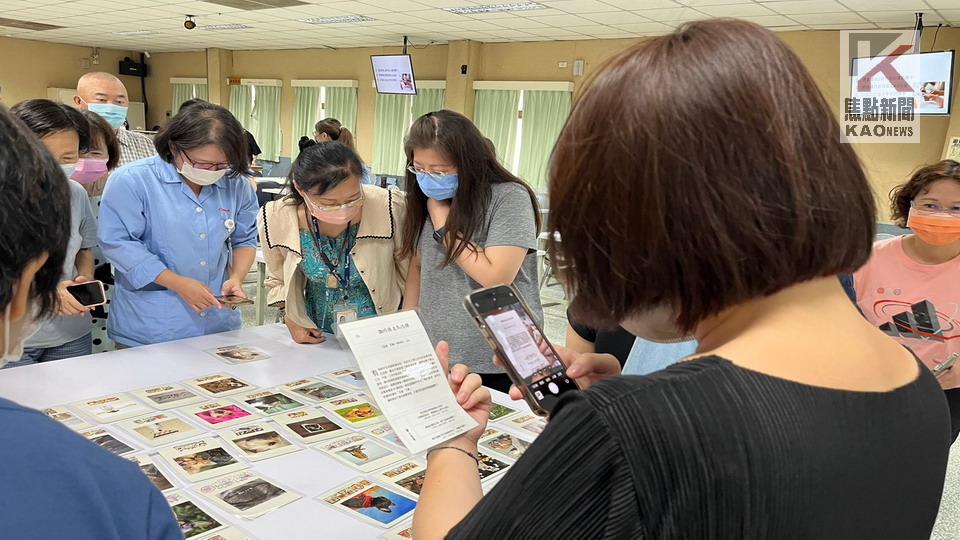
x=529, y=353
x=88, y=294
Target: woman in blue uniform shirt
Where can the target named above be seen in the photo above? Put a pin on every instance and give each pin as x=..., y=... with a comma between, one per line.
x=180, y=229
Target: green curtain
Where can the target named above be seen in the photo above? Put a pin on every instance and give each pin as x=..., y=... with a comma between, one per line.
x=544, y=113
x=390, y=123
x=341, y=103
x=241, y=104
x=181, y=92
x=306, y=106
x=427, y=100
x=266, y=125
x=186, y=91
x=495, y=115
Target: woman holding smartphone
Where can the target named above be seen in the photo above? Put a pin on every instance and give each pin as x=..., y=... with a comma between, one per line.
x=65, y=134
x=470, y=223
x=796, y=417
x=180, y=230
x=911, y=285
x=332, y=245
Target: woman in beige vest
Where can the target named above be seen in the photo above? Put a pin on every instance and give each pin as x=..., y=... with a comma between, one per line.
x=332, y=245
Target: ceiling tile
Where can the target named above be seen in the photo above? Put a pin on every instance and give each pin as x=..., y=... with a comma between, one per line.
x=636, y=5
x=562, y=21
x=580, y=6
x=905, y=18
x=521, y=23
x=701, y=3
x=436, y=15
x=770, y=20
x=673, y=15
x=848, y=26
x=621, y=17
x=791, y=7
x=885, y=5
x=736, y=10
x=644, y=27
x=827, y=18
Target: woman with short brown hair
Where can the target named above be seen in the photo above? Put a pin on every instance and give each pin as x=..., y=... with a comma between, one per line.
x=700, y=188
x=911, y=286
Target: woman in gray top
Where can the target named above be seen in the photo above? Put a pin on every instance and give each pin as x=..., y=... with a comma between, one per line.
x=470, y=224
x=65, y=133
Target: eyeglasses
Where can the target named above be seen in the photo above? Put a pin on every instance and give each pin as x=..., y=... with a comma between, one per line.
x=432, y=174
x=350, y=204
x=205, y=166
x=934, y=208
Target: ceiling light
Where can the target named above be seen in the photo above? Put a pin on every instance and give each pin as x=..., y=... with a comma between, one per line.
x=335, y=20
x=495, y=8
x=215, y=27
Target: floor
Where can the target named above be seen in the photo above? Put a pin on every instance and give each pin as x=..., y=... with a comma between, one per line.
x=555, y=322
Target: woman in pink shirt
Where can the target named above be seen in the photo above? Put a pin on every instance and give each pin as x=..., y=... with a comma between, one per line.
x=910, y=288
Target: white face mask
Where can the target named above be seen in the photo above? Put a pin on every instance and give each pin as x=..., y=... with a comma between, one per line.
x=68, y=169
x=29, y=327
x=200, y=176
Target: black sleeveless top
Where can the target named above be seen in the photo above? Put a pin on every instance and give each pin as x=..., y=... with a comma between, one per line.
x=706, y=449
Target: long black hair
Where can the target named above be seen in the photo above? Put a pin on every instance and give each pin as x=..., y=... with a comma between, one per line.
x=34, y=213
x=322, y=167
x=459, y=140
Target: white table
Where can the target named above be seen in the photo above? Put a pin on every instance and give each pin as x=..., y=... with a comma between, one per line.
x=308, y=472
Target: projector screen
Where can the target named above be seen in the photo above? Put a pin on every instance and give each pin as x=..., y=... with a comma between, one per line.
x=929, y=74
x=394, y=74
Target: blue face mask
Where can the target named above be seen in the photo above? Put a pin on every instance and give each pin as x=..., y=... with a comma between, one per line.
x=113, y=114
x=441, y=189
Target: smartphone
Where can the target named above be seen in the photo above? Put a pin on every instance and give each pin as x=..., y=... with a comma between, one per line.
x=946, y=365
x=530, y=360
x=89, y=294
x=234, y=300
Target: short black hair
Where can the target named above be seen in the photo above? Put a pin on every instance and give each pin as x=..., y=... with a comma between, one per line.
x=100, y=130
x=34, y=213
x=44, y=117
x=190, y=103
x=204, y=123
x=322, y=167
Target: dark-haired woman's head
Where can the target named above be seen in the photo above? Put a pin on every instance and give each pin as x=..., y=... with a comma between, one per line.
x=449, y=159
x=35, y=219
x=63, y=130
x=190, y=103
x=930, y=203
x=204, y=141
x=681, y=186
x=330, y=129
x=103, y=153
x=326, y=178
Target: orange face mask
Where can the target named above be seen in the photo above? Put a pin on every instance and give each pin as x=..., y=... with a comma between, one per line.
x=934, y=229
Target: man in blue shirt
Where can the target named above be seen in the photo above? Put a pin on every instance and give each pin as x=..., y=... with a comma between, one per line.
x=179, y=226
x=53, y=483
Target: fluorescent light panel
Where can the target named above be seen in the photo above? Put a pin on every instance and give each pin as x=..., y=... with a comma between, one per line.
x=335, y=20
x=495, y=8
x=216, y=27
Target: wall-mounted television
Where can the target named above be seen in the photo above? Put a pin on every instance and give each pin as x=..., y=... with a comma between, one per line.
x=393, y=74
x=930, y=75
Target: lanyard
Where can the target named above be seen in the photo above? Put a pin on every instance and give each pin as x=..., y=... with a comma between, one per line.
x=341, y=281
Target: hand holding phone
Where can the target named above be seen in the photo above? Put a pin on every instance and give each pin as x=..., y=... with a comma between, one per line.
x=233, y=300
x=531, y=362
x=586, y=368
x=81, y=297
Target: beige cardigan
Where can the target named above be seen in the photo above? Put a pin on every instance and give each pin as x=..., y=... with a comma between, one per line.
x=376, y=253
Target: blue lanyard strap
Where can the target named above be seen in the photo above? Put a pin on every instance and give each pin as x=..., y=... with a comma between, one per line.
x=345, y=246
